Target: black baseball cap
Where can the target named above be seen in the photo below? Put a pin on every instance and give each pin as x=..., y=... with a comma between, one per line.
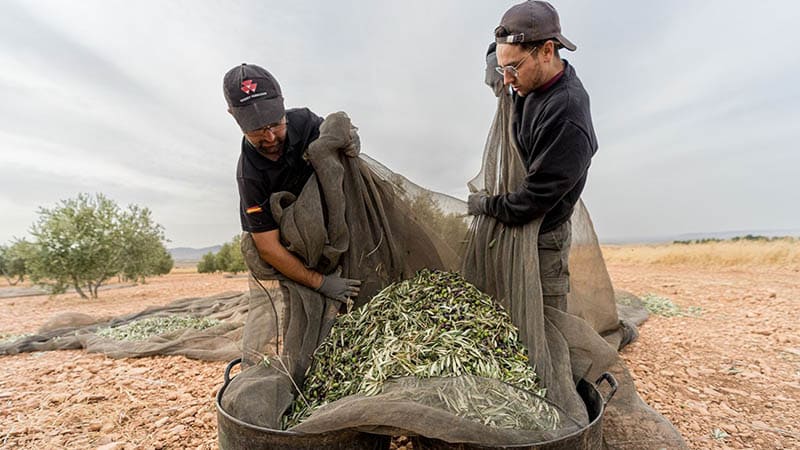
x=531, y=21
x=254, y=96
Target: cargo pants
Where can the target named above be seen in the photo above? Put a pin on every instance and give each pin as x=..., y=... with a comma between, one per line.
x=553, y=249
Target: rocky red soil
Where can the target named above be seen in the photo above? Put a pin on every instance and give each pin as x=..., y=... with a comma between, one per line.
x=728, y=378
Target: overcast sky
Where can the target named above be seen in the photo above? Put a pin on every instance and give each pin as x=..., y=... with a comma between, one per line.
x=696, y=105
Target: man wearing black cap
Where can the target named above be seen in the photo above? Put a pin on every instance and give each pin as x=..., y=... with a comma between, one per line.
x=552, y=127
x=271, y=160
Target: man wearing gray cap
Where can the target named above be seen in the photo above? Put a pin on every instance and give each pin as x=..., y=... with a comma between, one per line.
x=271, y=160
x=552, y=127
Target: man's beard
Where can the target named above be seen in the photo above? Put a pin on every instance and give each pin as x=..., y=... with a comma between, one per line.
x=273, y=152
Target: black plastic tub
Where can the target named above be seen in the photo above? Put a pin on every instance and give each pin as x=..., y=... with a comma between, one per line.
x=234, y=434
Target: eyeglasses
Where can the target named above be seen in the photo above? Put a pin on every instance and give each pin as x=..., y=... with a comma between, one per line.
x=273, y=129
x=512, y=70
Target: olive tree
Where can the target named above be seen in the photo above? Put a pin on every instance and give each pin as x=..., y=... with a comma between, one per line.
x=85, y=241
x=12, y=261
x=208, y=264
x=143, y=251
x=229, y=258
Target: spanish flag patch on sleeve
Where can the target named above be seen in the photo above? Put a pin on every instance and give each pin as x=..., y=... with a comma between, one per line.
x=254, y=209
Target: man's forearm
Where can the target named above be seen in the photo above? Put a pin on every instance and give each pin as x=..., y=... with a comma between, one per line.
x=332, y=286
x=289, y=265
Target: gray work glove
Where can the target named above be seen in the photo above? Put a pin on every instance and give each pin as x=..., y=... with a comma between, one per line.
x=476, y=203
x=338, y=288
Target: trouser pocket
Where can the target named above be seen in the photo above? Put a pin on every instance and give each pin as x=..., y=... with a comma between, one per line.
x=553, y=249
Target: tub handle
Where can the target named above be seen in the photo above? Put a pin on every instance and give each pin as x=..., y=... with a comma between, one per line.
x=612, y=382
x=227, y=375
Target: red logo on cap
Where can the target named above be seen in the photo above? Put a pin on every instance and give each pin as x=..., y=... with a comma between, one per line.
x=248, y=86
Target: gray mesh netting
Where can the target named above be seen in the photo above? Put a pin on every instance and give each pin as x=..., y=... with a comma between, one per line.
x=219, y=343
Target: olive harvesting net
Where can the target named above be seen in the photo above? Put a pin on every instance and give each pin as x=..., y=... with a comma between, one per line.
x=208, y=328
x=357, y=217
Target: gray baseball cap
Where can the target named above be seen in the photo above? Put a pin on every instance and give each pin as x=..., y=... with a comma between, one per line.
x=531, y=21
x=254, y=97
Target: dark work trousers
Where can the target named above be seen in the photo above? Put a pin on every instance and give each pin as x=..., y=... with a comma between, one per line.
x=554, y=265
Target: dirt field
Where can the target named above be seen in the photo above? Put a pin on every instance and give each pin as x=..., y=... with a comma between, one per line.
x=728, y=378
x=735, y=368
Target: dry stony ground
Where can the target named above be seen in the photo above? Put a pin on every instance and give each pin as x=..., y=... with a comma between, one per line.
x=735, y=368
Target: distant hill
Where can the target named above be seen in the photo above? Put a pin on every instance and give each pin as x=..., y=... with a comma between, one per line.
x=732, y=234
x=187, y=254
x=700, y=235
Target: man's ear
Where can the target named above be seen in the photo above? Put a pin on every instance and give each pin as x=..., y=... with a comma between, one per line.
x=550, y=49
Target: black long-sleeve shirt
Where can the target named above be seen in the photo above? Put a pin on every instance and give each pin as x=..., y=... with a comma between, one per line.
x=554, y=132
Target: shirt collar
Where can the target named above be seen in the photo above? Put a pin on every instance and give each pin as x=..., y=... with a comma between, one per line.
x=545, y=87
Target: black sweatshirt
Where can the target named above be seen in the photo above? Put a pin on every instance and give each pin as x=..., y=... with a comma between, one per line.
x=555, y=135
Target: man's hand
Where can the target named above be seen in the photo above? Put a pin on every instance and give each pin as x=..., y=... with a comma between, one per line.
x=476, y=203
x=338, y=288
